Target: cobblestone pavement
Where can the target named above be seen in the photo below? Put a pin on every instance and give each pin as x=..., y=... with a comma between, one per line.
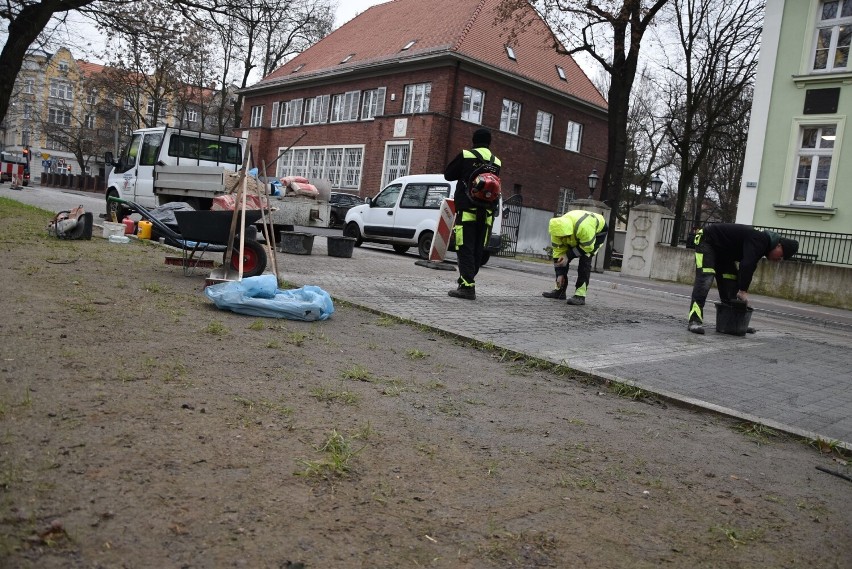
x=793, y=375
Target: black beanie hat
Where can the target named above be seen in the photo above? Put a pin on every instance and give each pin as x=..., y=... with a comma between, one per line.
x=481, y=137
x=789, y=246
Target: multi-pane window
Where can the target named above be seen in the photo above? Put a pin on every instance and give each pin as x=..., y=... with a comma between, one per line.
x=543, y=126
x=833, y=35
x=316, y=110
x=566, y=196
x=92, y=96
x=344, y=107
x=416, y=98
x=574, y=137
x=256, y=115
x=396, y=161
x=28, y=112
x=190, y=115
x=341, y=166
x=813, y=164
x=292, y=113
x=61, y=90
x=59, y=116
x=29, y=85
x=373, y=103
x=57, y=142
x=510, y=117
x=126, y=105
x=472, y=103
x=89, y=121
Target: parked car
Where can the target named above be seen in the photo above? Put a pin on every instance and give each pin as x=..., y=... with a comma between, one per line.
x=340, y=204
x=405, y=214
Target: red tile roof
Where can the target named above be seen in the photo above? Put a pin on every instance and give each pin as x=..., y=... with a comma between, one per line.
x=463, y=27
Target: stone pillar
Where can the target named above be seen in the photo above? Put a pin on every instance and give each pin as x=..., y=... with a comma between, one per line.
x=644, y=228
x=596, y=207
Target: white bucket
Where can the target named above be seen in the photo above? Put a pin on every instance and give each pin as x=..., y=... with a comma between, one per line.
x=111, y=228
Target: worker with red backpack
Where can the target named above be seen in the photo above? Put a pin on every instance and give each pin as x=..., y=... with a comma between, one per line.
x=477, y=197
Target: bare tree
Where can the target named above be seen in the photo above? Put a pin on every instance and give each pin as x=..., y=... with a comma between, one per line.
x=719, y=43
x=261, y=35
x=611, y=32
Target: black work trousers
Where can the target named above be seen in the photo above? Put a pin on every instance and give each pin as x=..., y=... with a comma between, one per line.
x=472, y=232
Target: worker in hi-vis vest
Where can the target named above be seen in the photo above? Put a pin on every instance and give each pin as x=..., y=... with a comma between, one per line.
x=577, y=234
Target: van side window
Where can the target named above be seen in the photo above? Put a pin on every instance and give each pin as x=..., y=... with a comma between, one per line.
x=413, y=196
x=435, y=195
x=388, y=196
x=151, y=149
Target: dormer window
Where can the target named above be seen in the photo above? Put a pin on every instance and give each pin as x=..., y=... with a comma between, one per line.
x=561, y=73
x=63, y=67
x=348, y=57
x=298, y=67
x=511, y=53
x=408, y=45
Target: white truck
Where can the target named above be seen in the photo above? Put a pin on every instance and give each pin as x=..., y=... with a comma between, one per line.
x=164, y=164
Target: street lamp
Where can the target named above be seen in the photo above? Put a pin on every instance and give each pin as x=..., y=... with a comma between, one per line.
x=593, y=183
x=656, y=184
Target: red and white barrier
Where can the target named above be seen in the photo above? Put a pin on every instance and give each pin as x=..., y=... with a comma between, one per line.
x=441, y=239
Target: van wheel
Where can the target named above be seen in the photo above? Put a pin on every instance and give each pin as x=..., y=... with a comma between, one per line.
x=351, y=230
x=424, y=244
x=115, y=208
x=485, y=256
x=401, y=248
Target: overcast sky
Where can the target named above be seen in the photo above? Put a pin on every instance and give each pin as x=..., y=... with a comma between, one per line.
x=348, y=9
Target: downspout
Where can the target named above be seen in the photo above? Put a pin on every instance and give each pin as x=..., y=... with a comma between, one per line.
x=448, y=152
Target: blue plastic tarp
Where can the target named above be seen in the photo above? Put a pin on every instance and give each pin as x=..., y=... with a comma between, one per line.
x=260, y=296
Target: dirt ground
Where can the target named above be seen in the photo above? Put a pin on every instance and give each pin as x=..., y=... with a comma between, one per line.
x=142, y=427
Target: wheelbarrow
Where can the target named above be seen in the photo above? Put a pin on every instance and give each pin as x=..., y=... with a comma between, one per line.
x=201, y=232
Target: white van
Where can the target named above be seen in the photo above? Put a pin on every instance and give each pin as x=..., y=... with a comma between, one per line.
x=150, y=149
x=405, y=214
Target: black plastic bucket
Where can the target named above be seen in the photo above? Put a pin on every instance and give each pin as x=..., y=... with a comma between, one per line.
x=732, y=318
x=296, y=243
x=339, y=246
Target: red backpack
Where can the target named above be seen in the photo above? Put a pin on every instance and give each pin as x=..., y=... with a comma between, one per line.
x=483, y=184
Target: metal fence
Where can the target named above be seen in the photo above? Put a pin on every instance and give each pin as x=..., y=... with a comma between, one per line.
x=814, y=246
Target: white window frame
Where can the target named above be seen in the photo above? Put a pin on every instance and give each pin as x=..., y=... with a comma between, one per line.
x=344, y=106
x=61, y=90
x=59, y=116
x=796, y=152
x=29, y=86
x=510, y=116
x=316, y=109
x=343, y=166
x=574, y=136
x=292, y=112
x=89, y=121
x=827, y=36
x=417, y=98
x=473, y=103
x=190, y=115
x=256, y=116
x=274, y=115
x=92, y=97
x=566, y=196
x=373, y=103
x=397, y=161
x=543, y=126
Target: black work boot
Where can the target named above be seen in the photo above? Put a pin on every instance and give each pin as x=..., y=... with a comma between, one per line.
x=465, y=292
x=557, y=293
x=695, y=327
x=577, y=300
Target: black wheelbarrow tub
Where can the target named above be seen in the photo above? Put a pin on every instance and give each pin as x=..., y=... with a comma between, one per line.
x=213, y=227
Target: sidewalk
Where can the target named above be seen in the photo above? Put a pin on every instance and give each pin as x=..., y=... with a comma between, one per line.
x=794, y=375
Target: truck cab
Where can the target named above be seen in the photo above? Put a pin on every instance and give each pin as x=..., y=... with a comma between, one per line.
x=135, y=170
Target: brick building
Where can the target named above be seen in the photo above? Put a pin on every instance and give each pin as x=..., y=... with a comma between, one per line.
x=401, y=88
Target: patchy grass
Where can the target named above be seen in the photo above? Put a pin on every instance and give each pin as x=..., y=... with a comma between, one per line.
x=337, y=459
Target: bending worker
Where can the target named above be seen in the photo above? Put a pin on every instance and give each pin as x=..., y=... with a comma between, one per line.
x=473, y=220
x=718, y=249
x=577, y=234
